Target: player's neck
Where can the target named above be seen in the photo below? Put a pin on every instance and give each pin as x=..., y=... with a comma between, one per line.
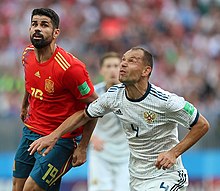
x=137, y=90
x=44, y=54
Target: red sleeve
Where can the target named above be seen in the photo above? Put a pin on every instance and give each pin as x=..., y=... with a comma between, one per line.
x=77, y=80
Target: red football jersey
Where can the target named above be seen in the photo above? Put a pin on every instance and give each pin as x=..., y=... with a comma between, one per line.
x=56, y=88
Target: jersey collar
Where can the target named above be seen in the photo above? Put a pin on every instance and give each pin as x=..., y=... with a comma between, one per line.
x=141, y=98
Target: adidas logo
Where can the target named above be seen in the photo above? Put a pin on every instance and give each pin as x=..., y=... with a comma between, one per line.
x=37, y=74
x=118, y=112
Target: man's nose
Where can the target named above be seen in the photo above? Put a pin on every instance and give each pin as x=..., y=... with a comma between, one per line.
x=37, y=28
x=123, y=64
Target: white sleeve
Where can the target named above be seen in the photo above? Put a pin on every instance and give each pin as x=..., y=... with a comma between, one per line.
x=100, y=106
x=181, y=111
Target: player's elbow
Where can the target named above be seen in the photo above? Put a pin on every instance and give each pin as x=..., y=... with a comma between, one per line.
x=86, y=117
x=204, y=125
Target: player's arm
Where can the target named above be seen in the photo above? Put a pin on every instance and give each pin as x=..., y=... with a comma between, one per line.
x=24, y=106
x=167, y=159
x=73, y=122
x=89, y=126
x=186, y=114
x=79, y=156
x=82, y=88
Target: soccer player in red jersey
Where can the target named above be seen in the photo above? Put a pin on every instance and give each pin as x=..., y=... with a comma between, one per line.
x=57, y=85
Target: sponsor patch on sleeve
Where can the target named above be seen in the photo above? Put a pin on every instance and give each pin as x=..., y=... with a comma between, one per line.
x=84, y=88
x=189, y=108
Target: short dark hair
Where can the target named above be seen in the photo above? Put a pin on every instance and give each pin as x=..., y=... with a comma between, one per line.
x=109, y=55
x=49, y=13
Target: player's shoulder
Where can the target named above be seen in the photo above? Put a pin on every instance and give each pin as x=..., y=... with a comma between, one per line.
x=171, y=100
x=159, y=93
x=28, y=50
x=67, y=60
x=113, y=95
x=100, y=89
x=116, y=88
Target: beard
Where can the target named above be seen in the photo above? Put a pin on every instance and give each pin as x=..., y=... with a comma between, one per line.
x=40, y=43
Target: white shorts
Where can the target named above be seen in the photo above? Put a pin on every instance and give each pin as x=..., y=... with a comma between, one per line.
x=105, y=176
x=169, y=181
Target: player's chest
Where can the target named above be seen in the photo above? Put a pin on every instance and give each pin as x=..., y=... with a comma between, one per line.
x=42, y=79
x=140, y=117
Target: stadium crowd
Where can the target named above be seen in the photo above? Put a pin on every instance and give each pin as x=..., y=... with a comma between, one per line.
x=183, y=35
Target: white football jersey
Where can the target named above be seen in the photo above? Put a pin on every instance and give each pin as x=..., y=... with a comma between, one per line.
x=150, y=124
x=109, y=129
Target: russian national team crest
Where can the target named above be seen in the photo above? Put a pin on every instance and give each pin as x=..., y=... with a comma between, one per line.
x=49, y=86
x=149, y=116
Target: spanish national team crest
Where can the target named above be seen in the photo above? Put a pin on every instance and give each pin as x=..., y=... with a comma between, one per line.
x=149, y=116
x=49, y=86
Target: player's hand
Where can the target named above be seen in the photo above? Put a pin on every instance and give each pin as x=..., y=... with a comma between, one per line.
x=46, y=142
x=23, y=114
x=79, y=156
x=165, y=160
x=97, y=143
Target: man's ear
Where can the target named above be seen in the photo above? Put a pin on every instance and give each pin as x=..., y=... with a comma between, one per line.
x=56, y=33
x=147, y=71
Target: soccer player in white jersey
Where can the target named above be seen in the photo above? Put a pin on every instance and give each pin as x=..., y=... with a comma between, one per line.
x=109, y=152
x=150, y=117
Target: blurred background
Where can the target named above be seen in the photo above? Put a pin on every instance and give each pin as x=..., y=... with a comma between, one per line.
x=183, y=35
